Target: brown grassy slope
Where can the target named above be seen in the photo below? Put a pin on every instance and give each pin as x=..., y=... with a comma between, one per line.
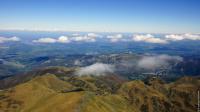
x=179, y=96
x=41, y=94
x=107, y=103
x=100, y=94
x=183, y=94
x=145, y=98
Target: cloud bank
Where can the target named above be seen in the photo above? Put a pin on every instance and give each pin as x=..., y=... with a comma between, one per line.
x=61, y=39
x=148, y=38
x=115, y=38
x=83, y=39
x=94, y=35
x=11, y=39
x=157, y=61
x=45, y=40
x=90, y=37
x=179, y=37
x=96, y=69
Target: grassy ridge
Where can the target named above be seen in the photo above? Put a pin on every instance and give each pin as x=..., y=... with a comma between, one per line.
x=48, y=93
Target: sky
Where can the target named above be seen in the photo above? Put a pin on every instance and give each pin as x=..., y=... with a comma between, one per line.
x=148, y=16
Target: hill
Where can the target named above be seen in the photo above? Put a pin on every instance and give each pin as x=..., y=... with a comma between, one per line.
x=64, y=92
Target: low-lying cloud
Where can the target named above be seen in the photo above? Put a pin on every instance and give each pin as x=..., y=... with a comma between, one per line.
x=178, y=37
x=96, y=69
x=93, y=37
x=61, y=39
x=45, y=40
x=83, y=39
x=90, y=37
x=148, y=38
x=115, y=38
x=157, y=61
x=11, y=39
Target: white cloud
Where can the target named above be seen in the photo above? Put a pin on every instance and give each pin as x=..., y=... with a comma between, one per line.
x=192, y=36
x=178, y=37
x=157, y=61
x=84, y=39
x=148, y=38
x=90, y=37
x=11, y=39
x=115, y=38
x=61, y=39
x=96, y=69
x=45, y=40
x=174, y=37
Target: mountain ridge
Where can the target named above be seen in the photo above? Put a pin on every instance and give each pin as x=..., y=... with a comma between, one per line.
x=68, y=93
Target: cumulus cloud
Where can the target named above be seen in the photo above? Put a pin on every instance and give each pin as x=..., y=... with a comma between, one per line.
x=93, y=35
x=61, y=39
x=11, y=39
x=178, y=37
x=84, y=39
x=90, y=37
x=96, y=69
x=174, y=37
x=157, y=61
x=45, y=40
x=148, y=38
x=115, y=38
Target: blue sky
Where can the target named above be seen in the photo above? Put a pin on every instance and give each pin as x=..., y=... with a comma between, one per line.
x=154, y=16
